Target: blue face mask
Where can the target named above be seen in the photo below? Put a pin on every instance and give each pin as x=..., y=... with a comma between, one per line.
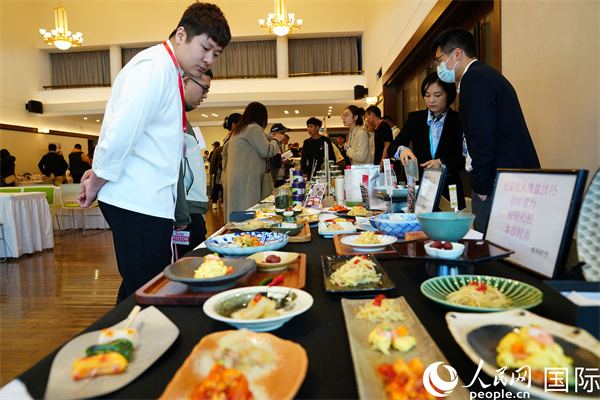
x=445, y=74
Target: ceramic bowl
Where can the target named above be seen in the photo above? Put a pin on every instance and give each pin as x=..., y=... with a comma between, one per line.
x=446, y=226
x=262, y=266
x=288, y=228
x=183, y=271
x=220, y=306
x=222, y=244
x=457, y=250
x=396, y=224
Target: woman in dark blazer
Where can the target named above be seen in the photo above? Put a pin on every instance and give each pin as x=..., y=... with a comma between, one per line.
x=435, y=134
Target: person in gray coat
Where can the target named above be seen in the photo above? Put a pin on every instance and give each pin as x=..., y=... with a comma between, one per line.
x=244, y=159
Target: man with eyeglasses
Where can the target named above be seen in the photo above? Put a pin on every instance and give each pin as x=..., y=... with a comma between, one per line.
x=192, y=200
x=491, y=116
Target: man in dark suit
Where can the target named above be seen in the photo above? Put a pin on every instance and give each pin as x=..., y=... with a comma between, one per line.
x=491, y=116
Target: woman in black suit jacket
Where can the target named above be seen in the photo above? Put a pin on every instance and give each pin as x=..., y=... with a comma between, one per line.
x=422, y=125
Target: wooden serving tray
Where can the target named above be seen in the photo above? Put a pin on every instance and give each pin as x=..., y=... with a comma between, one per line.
x=162, y=291
x=302, y=237
x=344, y=250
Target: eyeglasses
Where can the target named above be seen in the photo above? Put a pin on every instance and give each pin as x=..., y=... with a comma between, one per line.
x=437, y=61
x=205, y=87
x=344, y=115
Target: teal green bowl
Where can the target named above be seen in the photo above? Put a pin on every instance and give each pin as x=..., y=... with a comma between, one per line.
x=291, y=229
x=521, y=294
x=446, y=226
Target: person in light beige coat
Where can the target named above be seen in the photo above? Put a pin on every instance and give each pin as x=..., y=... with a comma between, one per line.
x=244, y=159
x=357, y=147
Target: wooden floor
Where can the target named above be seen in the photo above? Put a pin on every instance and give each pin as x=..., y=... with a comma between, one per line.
x=48, y=297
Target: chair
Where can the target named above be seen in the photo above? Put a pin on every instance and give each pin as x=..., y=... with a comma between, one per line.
x=11, y=189
x=69, y=193
x=588, y=231
x=53, y=202
x=3, y=241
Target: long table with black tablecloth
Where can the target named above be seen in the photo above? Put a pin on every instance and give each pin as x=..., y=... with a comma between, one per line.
x=321, y=330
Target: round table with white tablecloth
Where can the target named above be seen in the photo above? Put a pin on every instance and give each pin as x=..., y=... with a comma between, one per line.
x=26, y=223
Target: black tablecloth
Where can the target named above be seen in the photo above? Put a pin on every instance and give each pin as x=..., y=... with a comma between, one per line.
x=321, y=330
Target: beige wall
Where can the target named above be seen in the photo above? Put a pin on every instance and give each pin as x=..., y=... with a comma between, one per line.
x=550, y=55
x=29, y=148
x=546, y=54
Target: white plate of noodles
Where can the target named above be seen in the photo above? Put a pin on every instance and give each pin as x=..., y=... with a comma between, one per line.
x=368, y=241
x=466, y=293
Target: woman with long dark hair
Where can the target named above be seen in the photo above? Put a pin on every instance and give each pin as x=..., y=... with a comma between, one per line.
x=357, y=147
x=216, y=162
x=244, y=159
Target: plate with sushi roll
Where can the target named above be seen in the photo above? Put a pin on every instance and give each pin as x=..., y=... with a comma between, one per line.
x=100, y=362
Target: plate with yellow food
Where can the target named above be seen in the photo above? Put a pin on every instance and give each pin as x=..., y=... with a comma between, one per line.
x=88, y=366
x=263, y=367
x=368, y=241
x=360, y=273
x=481, y=293
x=209, y=273
x=390, y=349
x=536, y=351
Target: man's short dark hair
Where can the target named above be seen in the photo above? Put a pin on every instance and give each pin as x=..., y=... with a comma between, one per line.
x=453, y=38
x=78, y=146
x=449, y=88
x=52, y=147
x=389, y=120
x=314, y=121
x=374, y=110
x=206, y=18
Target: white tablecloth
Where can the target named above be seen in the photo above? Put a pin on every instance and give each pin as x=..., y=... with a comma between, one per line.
x=27, y=223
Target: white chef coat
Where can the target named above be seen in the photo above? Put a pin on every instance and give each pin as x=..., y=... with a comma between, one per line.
x=141, y=141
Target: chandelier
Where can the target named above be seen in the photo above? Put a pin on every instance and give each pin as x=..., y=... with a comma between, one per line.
x=280, y=23
x=61, y=36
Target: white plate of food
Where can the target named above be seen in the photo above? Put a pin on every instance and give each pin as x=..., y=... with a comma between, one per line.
x=241, y=308
x=274, y=368
x=273, y=260
x=156, y=333
x=332, y=227
x=363, y=320
x=540, y=346
x=368, y=241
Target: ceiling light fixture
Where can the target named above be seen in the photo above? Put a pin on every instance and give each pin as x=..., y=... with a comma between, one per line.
x=297, y=112
x=61, y=36
x=286, y=112
x=280, y=23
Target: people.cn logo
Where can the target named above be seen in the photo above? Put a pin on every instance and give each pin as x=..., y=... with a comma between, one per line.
x=436, y=385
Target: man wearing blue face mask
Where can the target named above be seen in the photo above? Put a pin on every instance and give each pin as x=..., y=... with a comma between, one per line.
x=491, y=116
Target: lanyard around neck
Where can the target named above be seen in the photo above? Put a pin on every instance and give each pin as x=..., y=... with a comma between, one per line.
x=180, y=85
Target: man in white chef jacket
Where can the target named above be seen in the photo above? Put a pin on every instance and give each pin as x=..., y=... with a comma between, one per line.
x=139, y=151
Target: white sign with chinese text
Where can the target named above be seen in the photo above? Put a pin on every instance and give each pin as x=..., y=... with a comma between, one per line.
x=529, y=214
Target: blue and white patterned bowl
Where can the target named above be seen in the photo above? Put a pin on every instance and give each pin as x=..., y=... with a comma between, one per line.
x=222, y=244
x=396, y=224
